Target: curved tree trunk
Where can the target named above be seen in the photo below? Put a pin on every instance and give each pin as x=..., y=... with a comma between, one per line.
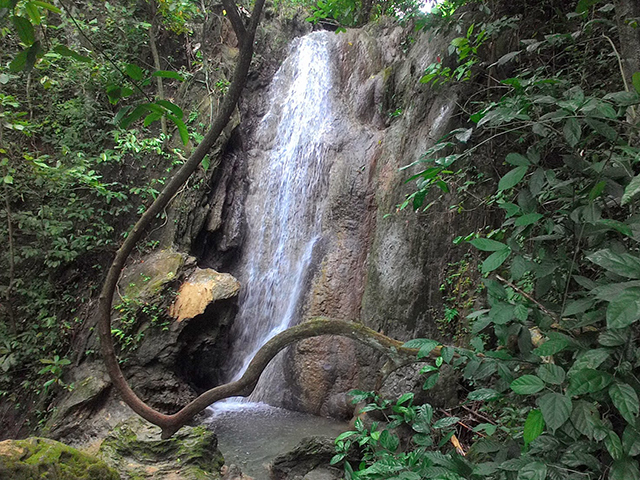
x=181, y=176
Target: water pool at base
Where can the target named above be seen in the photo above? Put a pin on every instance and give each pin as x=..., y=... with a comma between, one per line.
x=251, y=435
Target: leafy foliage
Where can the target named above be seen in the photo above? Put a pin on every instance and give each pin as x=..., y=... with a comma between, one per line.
x=557, y=345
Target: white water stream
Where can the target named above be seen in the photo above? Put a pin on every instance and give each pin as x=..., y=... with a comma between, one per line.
x=288, y=172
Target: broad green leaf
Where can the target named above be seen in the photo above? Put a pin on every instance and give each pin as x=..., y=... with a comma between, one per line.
x=517, y=160
x=625, y=399
x=631, y=441
x=636, y=81
x=551, y=374
x=533, y=426
x=584, y=5
x=632, y=190
x=182, y=128
x=624, y=469
x=588, y=381
x=152, y=117
x=431, y=381
x=494, y=260
x=528, y=219
x=624, y=309
x=527, y=384
x=613, y=338
x=487, y=245
x=135, y=114
x=424, y=345
x=33, y=12
x=8, y=179
x=552, y=346
x=389, y=441
x=614, y=445
x=578, y=306
x=47, y=6
x=484, y=394
x=168, y=74
x=134, y=71
x=556, y=409
x=67, y=52
x=25, y=29
x=603, y=129
x=589, y=359
x=445, y=422
x=625, y=265
x=172, y=107
x=572, y=131
x=512, y=178
x=585, y=418
x=533, y=471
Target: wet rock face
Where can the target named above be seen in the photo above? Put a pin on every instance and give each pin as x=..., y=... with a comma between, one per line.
x=44, y=458
x=309, y=460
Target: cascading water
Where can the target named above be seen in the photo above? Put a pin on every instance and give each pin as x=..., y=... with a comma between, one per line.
x=288, y=170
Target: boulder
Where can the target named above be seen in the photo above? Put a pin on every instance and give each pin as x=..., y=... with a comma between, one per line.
x=309, y=460
x=44, y=458
x=203, y=287
x=135, y=448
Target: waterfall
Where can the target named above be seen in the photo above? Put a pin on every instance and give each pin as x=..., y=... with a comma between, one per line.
x=288, y=173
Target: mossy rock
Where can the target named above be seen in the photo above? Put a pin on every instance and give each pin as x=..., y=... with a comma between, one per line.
x=135, y=448
x=147, y=277
x=41, y=458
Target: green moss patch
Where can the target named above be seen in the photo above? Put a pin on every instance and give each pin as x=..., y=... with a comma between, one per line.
x=36, y=458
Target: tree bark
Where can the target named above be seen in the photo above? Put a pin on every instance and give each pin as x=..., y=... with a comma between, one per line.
x=106, y=296
x=628, y=17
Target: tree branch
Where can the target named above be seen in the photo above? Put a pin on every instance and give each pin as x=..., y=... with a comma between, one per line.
x=236, y=21
x=106, y=295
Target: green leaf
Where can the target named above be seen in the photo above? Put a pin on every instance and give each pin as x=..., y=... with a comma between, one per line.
x=572, y=131
x=625, y=399
x=533, y=471
x=552, y=346
x=134, y=71
x=527, y=384
x=614, y=445
x=431, y=381
x=528, y=219
x=632, y=190
x=635, y=79
x=445, y=422
x=182, y=128
x=67, y=52
x=172, y=107
x=8, y=179
x=152, y=117
x=33, y=12
x=424, y=345
x=556, y=409
x=588, y=381
x=484, y=394
x=533, y=426
x=494, y=260
x=624, y=309
x=551, y=374
x=613, y=338
x=589, y=359
x=168, y=74
x=389, y=441
x=517, y=160
x=624, y=469
x=487, y=245
x=135, y=114
x=25, y=29
x=585, y=418
x=631, y=441
x=625, y=265
x=512, y=178
x=47, y=6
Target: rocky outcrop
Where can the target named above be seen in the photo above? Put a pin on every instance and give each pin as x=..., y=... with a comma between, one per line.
x=134, y=447
x=309, y=460
x=44, y=458
x=202, y=288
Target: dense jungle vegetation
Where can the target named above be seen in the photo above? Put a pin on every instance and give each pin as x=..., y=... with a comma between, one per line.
x=90, y=116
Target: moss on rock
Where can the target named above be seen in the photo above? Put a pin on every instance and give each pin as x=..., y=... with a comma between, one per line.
x=36, y=458
x=135, y=448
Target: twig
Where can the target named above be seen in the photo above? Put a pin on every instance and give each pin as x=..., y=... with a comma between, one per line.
x=528, y=297
x=462, y=424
